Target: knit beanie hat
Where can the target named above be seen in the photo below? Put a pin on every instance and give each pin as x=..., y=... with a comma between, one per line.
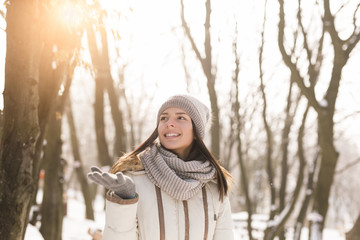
x=198, y=112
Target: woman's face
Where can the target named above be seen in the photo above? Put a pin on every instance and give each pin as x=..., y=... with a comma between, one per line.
x=175, y=131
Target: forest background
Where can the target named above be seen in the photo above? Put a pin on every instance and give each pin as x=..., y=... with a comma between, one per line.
x=83, y=80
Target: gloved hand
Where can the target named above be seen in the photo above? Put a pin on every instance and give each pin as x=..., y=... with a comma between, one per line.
x=122, y=185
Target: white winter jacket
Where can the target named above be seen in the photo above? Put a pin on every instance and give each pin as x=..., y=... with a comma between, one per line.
x=155, y=215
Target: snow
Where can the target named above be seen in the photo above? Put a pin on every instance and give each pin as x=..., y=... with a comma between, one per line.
x=32, y=233
x=315, y=217
x=75, y=226
x=259, y=223
x=323, y=103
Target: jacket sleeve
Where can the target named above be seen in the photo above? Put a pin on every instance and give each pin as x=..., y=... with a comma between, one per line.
x=120, y=218
x=224, y=223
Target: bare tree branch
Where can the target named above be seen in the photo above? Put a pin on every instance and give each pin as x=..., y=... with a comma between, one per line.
x=269, y=134
x=309, y=192
x=354, y=38
x=188, y=33
x=306, y=45
x=279, y=223
x=347, y=166
x=208, y=69
x=236, y=107
x=307, y=91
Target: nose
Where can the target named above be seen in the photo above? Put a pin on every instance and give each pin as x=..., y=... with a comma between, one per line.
x=170, y=123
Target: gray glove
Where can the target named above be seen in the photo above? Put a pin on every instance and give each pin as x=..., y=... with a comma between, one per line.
x=122, y=185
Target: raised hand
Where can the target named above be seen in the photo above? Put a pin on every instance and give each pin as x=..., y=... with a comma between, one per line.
x=122, y=185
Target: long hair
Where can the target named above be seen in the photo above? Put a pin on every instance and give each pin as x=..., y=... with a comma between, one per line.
x=223, y=177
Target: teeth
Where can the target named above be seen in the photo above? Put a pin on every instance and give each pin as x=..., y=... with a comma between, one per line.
x=171, y=135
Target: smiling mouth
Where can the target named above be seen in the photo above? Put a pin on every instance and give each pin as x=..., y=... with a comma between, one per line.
x=172, y=135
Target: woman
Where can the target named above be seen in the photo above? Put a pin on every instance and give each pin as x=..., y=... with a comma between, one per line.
x=170, y=187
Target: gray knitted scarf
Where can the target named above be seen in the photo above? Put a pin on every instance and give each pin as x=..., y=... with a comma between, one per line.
x=178, y=178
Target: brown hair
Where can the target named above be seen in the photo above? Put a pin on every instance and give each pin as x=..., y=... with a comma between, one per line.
x=223, y=177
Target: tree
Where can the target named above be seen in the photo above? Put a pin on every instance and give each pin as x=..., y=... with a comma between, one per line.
x=21, y=124
x=85, y=189
x=309, y=190
x=104, y=82
x=306, y=81
x=53, y=204
x=57, y=63
x=276, y=226
x=354, y=233
x=29, y=98
x=52, y=207
x=281, y=203
x=206, y=62
x=238, y=130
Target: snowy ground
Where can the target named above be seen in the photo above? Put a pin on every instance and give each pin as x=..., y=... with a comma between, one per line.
x=75, y=226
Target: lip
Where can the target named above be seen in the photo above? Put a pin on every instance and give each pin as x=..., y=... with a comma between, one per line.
x=171, y=134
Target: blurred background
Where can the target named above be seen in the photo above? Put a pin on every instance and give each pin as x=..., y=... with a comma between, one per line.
x=82, y=82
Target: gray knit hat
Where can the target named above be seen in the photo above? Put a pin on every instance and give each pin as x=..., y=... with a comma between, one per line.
x=197, y=111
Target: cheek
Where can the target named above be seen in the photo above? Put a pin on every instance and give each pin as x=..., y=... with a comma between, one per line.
x=190, y=138
x=190, y=132
x=160, y=127
x=159, y=132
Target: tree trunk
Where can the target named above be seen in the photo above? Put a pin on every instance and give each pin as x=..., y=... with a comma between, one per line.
x=206, y=63
x=309, y=193
x=104, y=69
x=103, y=151
x=268, y=131
x=29, y=96
x=329, y=157
x=276, y=229
x=100, y=61
x=269, y=150
x=215, y=124
x=102, y=146
x=236, y=120
x=288, y=122
x=354, y=233
x=79, y=169
x=122, y=94
x=21, y=126
x=52, y=209
x=243, y=173
x=210, y=76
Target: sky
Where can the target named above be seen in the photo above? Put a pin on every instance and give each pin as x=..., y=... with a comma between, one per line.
x=150, y=37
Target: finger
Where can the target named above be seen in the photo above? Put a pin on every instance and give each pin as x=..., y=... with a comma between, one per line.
x=90, y=175
x=97, y=178
x=92, y=178
x=120, y=177
x=96, y=169
x=109, y=178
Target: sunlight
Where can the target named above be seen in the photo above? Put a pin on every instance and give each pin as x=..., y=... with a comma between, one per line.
x=70, y=13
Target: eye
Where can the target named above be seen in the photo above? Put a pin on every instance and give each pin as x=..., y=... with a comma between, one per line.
x=182, y=118
x=163, y=118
